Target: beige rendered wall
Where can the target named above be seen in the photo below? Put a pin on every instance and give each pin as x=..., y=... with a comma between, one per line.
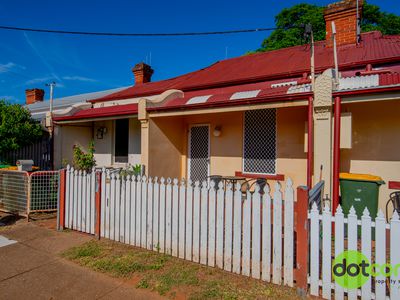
x=165, y=147
x=65, y=137
x=105, y=147
x=169, y=138
x=291, y=158
x=225, y=150
x=134, y=142
x=375, y=142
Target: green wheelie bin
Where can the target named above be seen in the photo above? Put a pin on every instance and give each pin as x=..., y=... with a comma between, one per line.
x=360, y=191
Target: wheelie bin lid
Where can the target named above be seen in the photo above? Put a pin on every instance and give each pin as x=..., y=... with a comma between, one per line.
x=361, y=177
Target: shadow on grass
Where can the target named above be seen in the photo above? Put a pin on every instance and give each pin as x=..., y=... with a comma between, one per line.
x=170, y=276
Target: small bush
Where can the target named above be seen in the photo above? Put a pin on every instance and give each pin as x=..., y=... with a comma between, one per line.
x=84, y=161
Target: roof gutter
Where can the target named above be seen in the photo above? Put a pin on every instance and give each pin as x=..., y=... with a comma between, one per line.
x=93, y=119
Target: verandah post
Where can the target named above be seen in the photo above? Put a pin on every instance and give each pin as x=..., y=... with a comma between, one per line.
x=301, y=227
x=61, y=212
x=97, y=205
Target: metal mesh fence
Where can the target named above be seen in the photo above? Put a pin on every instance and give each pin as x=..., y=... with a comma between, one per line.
x=14, y=191
x=44, y=191
x=21, y=193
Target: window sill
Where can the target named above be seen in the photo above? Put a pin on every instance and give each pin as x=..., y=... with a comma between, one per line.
x=278, y=177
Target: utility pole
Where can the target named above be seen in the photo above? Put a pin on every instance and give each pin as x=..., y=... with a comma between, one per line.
x=51, y=85
x=51, y=127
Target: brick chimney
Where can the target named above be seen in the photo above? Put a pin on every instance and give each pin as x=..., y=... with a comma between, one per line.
x=344, y=14
x=142, y=73
x=33, y=95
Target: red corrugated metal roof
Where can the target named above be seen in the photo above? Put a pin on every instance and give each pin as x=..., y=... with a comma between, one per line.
x=101, y=112
x=389, y=79
x=287, y=62
x=224, y=96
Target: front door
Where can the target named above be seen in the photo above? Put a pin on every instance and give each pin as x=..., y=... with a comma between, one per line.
x=199, y=152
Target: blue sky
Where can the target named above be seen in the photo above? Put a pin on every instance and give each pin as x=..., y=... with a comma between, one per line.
x=82, y=64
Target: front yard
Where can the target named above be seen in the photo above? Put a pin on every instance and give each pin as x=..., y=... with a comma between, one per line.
x=169, y=276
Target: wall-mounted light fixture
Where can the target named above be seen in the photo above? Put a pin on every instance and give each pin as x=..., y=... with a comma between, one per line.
x=217, y=131
x=101, y=131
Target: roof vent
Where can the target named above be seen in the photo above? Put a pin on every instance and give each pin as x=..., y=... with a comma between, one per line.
x=198, y=99
x=245, y=95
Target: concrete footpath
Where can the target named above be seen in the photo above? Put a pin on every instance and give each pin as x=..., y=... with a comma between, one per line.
x=32, y=268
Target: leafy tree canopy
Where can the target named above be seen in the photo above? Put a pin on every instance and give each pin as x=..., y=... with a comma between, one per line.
x=17, y=128
x=290, y=19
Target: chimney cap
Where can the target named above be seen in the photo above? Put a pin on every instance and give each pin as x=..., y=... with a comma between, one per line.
x=143, y=67
x=342, y=6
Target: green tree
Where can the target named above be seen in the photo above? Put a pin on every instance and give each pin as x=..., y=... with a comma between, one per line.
x=17, y=128
x=290, y=23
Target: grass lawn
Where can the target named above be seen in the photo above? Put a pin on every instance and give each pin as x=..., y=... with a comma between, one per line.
x=169, y=276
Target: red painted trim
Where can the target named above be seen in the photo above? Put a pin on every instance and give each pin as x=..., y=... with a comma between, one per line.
x=394, y=185
x=62, y=200
x=278, y=177
x=230, y=103
x=301, y=229
x=374, y=72
x=96, y=115
x=336, y=154
x=310, y=142
x=98, y=205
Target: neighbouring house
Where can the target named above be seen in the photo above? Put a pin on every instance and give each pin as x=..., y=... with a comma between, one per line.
x=250, y=116
x=63, y=137
x=112, y=125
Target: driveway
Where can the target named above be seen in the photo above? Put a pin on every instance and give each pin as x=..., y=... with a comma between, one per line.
x=31, y=267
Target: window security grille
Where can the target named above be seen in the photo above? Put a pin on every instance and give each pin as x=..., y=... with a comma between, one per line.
x=199, y=153
x=260, y=141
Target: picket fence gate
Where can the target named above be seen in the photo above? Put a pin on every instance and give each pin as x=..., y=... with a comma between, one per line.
x=322, y=252
x=80, y=200
x=248, y=233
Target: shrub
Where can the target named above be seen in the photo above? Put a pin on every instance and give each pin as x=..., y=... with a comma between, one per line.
x=84, y=161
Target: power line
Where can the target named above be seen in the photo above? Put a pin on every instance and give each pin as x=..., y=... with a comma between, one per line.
x=135, y=34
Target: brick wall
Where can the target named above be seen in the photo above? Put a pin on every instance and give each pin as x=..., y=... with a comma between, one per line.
x=344, y=14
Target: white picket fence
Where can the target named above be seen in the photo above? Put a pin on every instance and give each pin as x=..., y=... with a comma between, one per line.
x=322, y=253
x=80, y=200
x=250, y=234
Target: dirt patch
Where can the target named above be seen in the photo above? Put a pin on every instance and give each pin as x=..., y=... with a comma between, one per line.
x=171, y=277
